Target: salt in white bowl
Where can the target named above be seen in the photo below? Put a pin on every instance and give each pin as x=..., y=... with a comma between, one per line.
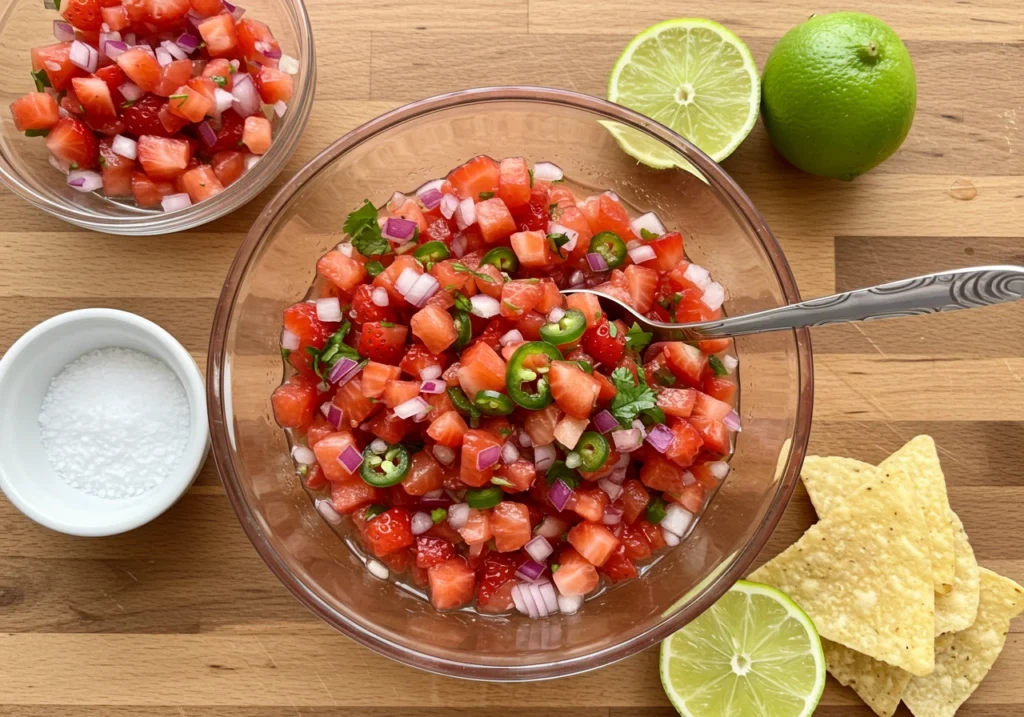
x=26, y=476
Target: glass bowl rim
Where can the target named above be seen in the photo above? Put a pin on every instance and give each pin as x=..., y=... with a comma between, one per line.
x=233, y=197
x=715, y=588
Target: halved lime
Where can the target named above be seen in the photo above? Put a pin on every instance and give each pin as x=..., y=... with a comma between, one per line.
x=752, y=653
x=693, y=76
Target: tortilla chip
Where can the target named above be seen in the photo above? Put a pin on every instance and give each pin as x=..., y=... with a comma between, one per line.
x=830, y=480
x=957, y=610
x=970, y=654
x=861, y=577
x=918, y=461
x=878, y=684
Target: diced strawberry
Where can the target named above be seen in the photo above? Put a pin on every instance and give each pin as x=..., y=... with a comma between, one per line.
x=172, y=124
x=389, y=532
x=590, y=503
x=141, y=68
x=714, y=434
x=425, y=474
x=473, y=442
x=677, y=401
x=114, y=77
x=668, y=252
x=721, y=389
x=355, y=407
x=634, y=542
x=229, y=136
x=328, y=449
x=163, y=158
x=294, y=402
x=115, y=170
x=351, y=494
x=588, y=305
x=257, y=43
x=661, y=474
x=520, y=473
x=496, y=572
x=376, y=377
x=206, y=8
x=529, y=326
x=55, y=61
x=618, y=566
x=419, y=357
x=319, y=429
x=201, y=183
x=409, y=209
x=452, y=584
x=189, y=104
x=256, y=134
x=73, y=144
x=606, y=342
x=228, y=166
x=514, y=182
x=593, y=541
x=575, y=574
x=301, y=320
x=641, y=285
x=574, y=390
x=477, y=529
x=562, y=196
x=435, y=327
x=691, y=497
x=315, y=479
x=686, y=362
x=389, y=277
x=652, y=534
x=363, y=308
x=398, y=392
x=607, y=388
x=479, y=175
x=540, y=425
x=148, y=193
x=495, y=220
x=163, y=13
x=388, y=427
x=634, y=500
x=510, y=524
x=482, y=369
x=172, y=77
x=273, y=85
x=550, y=297
x=439, y=403
x=519, y=297
x=115, y=17
x=692, y=309
x=218, y=32
x=218, y=71
x=431, y=551
x=532, y=249
x=143, y=117
x=83, y=14
x=382, y=341
x=610, y=216
x=686, y=444
x=35, y=111
x=448, y=429
x=705, y=405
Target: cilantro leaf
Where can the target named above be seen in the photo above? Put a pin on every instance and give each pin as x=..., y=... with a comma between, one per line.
x=41, y=79
x=647, y=235
x=633, y=397
x=333, y=351
x=462, y=302
x=717, y=366
x=362, y=226
x=637, y=339
x=463, y=269
x=557, y=242
x=373, y=267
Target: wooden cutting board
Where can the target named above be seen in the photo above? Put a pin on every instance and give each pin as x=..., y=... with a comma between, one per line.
x=182, y=619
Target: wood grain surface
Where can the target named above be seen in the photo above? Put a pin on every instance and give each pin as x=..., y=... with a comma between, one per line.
x=182, y=619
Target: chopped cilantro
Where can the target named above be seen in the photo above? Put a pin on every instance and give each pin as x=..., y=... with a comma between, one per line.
x=181, y=99
x=665, y=377
x=636, y=338
x=511, y=306
x=387, y=324
x=285, y=353
x=717, y=366
x=41, y=79
x=127, y=103
x=73, y=166
x=486, y=195
x=555, y=567
x=503, y=482
x=373, y=267
x=41, y=133
x=362, y=226
x=462, y=302
x=334, y=350
x=504, y=432
x=558, y=181
x=303, y=470
x=438, y=515
x=463, y=269
x=632, y=397
x=613, y=330
x=557, y=242
x=647, y=235
x=219, y=80
x=531, y=177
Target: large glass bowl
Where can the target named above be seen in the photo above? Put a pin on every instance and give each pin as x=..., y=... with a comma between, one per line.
x=401, y=150
x=24, y=161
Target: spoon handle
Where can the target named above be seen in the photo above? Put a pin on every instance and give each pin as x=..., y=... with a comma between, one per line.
x=945, y=291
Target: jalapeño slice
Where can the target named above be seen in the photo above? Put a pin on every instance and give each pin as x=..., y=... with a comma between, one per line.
x=492, y=403
x=461, y=402
x=385, y=470
x=569, y=328
x=503, y=258
x=611, y=247
x=483, y=498
x=464, y=327
x=431, y=253
x=529, y=364
x=593, y=451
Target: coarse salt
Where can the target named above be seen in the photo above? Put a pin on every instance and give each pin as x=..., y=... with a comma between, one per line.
x=115, y=422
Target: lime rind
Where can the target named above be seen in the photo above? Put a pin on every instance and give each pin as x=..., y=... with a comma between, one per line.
x=720, y=90
x=754, y=652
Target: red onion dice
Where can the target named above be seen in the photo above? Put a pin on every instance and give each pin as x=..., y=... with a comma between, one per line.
x=433, y=386
x=641, y=254
x=605, y=421
x=458, y=515
x=487, y=457
x=660, y=437
x=530, y=570
x=350, y=459
x=343, y=371
x=412, y=407
x=290, y=341
x=612, y=515
x=85, y=180
x=398, y=230
x=627, y=441
x=544, y=456
x=444, y=454
x=614, y=490
x=421, y=523
x=509, y=453
x=449, y=203
x=547, y=172
x=484, y=306
x=127, y=148
x=597, y=262
x=63, y=31
x=559, y=494
x=329, y=309
x=648, y=221
x=379, y=297
x=465, y=214
x=732, y=421
x=539, y=548
x=85, y=57
x=174, y=202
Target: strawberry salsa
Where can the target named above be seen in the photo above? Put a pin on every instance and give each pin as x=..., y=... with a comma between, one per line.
x=157, y=101
x=496, y=443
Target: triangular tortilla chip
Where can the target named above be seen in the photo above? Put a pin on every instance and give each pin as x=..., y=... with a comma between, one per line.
x=830, y=480
x=963, y=664
x=880, y=685
x=861, y=577
x=919, y=462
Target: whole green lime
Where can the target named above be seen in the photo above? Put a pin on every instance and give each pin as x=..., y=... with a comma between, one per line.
x=838, y=94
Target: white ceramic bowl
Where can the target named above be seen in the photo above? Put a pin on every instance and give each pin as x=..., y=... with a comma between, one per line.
x=26, y=476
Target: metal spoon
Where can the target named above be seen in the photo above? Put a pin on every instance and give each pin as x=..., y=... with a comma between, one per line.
x=945, y=291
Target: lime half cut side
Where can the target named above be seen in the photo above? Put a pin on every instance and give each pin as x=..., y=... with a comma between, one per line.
x=754, y=652
x=693, y=76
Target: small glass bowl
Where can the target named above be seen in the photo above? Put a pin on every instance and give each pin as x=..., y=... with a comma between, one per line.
x=24, y=161
x=401, y=150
